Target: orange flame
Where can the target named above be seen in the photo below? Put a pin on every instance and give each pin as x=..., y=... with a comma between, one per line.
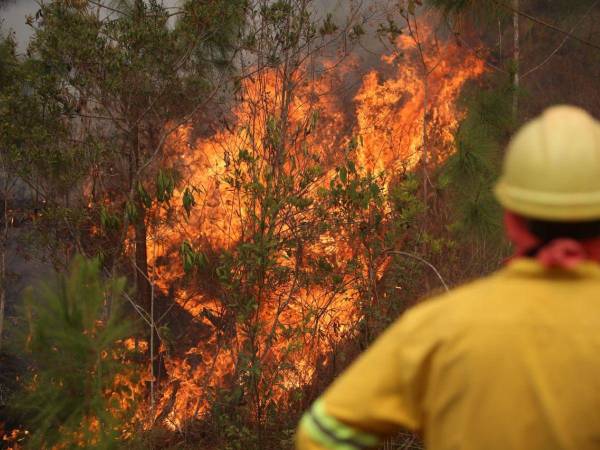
x=406, y=107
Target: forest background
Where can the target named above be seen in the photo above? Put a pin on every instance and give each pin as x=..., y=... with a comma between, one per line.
x=220, y=203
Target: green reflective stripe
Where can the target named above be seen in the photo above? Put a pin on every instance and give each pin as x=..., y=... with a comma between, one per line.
x=342, y=431
x=309, y=425
x=335, y=434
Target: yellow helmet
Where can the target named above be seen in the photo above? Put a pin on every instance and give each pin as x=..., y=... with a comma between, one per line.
x=552, y=167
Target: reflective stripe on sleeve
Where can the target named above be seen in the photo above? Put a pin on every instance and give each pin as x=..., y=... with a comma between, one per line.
x=333, y=434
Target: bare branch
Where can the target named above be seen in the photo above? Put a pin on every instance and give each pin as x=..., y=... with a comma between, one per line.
x=563, y=42
x=547, y=25
x=427, y=263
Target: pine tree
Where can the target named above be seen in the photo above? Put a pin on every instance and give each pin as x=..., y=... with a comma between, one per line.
x=468, y=177
x=72, y=342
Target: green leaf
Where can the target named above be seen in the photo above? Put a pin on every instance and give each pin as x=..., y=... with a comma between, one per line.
x=188, y=201
x=131, y=211
x=144, y=196
x=343, y=174
x=108, y=221
x=411, y=7
x=328, y=27
x=190, y=258
x=165, y=185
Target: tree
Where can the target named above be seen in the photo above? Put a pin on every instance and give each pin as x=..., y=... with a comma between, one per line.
x=428, y=56
x=490, y=11
x=469, y=174
x=297, y=231
x=31, y=131
x=279, y=182
x=9, y=77
x=516, y=58
x=525, y=20
x=131, y=78
x=73, y=397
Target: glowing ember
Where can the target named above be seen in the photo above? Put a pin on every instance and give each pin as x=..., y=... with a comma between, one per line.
x=15, y=439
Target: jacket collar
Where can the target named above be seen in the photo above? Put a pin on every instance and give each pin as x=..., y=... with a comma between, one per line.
x=532, y=268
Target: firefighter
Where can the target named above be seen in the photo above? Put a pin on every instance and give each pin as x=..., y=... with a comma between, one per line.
x=510, y=361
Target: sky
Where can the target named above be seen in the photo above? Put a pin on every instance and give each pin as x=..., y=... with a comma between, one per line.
x=13, y=17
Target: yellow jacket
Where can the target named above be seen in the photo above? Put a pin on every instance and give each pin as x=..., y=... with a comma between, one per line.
x=511, y=361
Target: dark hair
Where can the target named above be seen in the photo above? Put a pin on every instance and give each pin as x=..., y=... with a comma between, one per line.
x=548, y=231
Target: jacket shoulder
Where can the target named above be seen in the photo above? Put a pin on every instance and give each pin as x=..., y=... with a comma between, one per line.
x=462, y=303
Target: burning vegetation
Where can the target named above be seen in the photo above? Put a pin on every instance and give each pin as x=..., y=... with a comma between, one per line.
x=271, y=265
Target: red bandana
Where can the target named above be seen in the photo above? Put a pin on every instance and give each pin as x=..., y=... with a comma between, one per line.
x=562, y=252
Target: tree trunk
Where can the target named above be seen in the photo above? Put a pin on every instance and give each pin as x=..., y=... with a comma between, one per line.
x=425, y=155
x=516, y=59
x=145, y=296
x=3, y=266
x=143, y=288
x=141, y=250
x=144, y=292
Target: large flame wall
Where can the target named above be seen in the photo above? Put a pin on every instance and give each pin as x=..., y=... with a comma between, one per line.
x=405, y=106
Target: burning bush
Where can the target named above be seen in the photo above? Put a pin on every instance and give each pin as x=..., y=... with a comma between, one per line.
x=299, y=206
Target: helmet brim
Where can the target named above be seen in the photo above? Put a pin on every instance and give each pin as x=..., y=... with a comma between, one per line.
x=551, y=206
